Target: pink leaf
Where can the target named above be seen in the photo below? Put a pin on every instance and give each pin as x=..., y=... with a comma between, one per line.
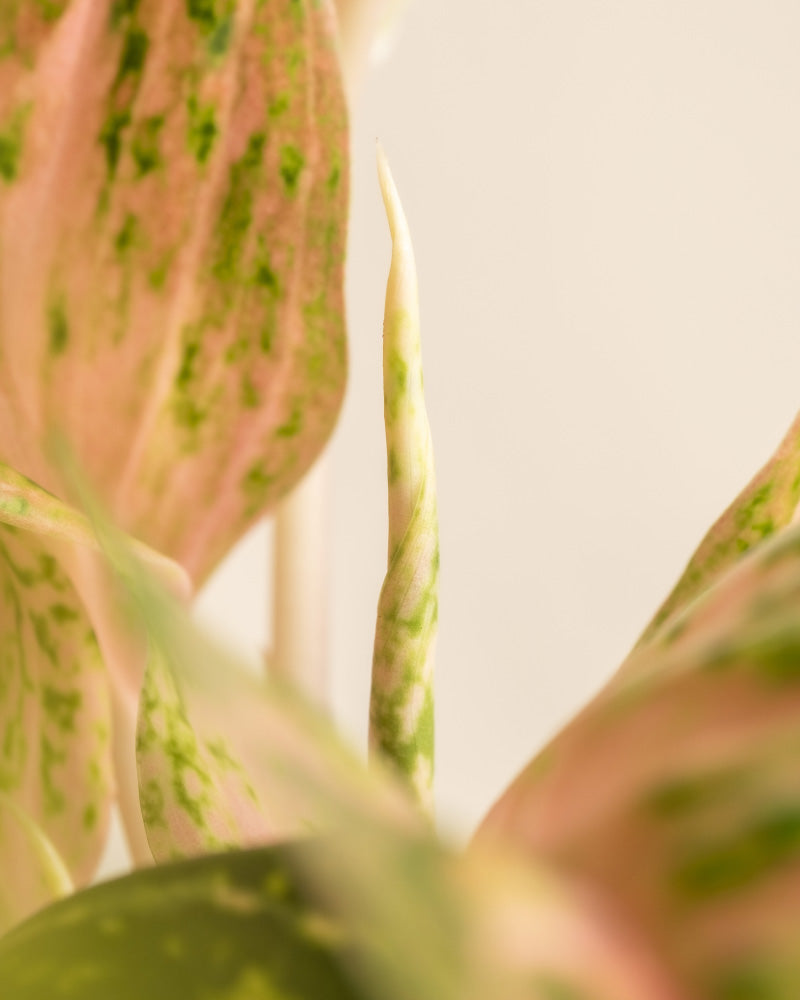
x=675, y=792
x=171, y=259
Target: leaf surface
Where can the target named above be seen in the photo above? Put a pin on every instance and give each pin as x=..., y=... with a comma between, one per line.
x=767, y=504
x=280, y=923
x=401, y=702
x=33, y=873
x=55, y=719
x=227, y=759
x=54, y=713
x=233, y=927
x=675, y=791
x=171, y=254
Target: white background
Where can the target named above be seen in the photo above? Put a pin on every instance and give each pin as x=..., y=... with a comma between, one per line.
x=605, y=201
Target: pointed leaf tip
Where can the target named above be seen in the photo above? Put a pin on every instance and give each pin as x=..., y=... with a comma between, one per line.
x=401, y=708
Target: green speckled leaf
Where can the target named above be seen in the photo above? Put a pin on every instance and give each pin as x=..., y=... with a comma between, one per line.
x=25, y=27
x=235, y=927
x=401, y=704
x=171, y=254
x=765, y=505
x=54, y=712
x=33, y=874
x=676, y=792
x=227, y=759
x=55, y=723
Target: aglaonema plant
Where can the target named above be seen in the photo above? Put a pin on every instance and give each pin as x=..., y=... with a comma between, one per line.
x=173, y=189
x=172, y=197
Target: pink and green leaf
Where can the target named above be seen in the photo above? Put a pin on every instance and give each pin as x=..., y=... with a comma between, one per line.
x=767, y=504
x=171, y=258
x=227, y=759
x=54, y=712
x=55, y=718
x=675, y=792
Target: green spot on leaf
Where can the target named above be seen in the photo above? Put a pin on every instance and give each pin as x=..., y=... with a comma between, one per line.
x=202, y=129
x=111, y=136
x=12, y=138
x=145, y=144
x=58, y=327
x=292, y=163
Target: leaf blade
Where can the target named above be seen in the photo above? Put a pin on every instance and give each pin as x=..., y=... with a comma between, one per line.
x=172, y=248
x=674, y=791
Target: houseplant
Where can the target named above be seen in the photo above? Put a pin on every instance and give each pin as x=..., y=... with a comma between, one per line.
x=376, y=905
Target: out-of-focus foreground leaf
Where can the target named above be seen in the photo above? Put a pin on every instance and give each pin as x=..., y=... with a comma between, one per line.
x=401, y=703
x=227, y=758
x=675, y=792
x=230, y=927
x=33, y=873
x=173, y=189
x=281, y=923
x=767, y=504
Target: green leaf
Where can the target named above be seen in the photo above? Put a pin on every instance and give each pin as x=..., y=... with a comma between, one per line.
x=172, y=256
x=675, y=791
x=401, y=705
x=767, y=504
x=232, y=927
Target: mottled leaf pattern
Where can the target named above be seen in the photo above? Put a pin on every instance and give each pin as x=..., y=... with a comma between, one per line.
x=765, y=505
x=676, y=790
x=226, y=759
x=171, y=251
x=54, y=713
x=33, y=873
x=401, y=705
x=194, y=793
x=55, y=720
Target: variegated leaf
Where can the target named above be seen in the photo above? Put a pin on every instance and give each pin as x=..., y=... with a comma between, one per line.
x=54, y=712
x=401, y=705
x=33, y=875
x=226, y=759
x=765, y=505
x=55, y=724
x=171, y=249
x=676, y=791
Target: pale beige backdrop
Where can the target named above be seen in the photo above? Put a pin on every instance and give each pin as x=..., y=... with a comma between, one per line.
x=605, y=199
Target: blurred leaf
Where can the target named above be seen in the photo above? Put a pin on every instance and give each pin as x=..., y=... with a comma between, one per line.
x=401, y=705
x=765, y=505
x=675, y=792
x=231, y=927
x=416, y=921
x=265, y=924
x=226, y=758
x=171, y=253
x=33, y=873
